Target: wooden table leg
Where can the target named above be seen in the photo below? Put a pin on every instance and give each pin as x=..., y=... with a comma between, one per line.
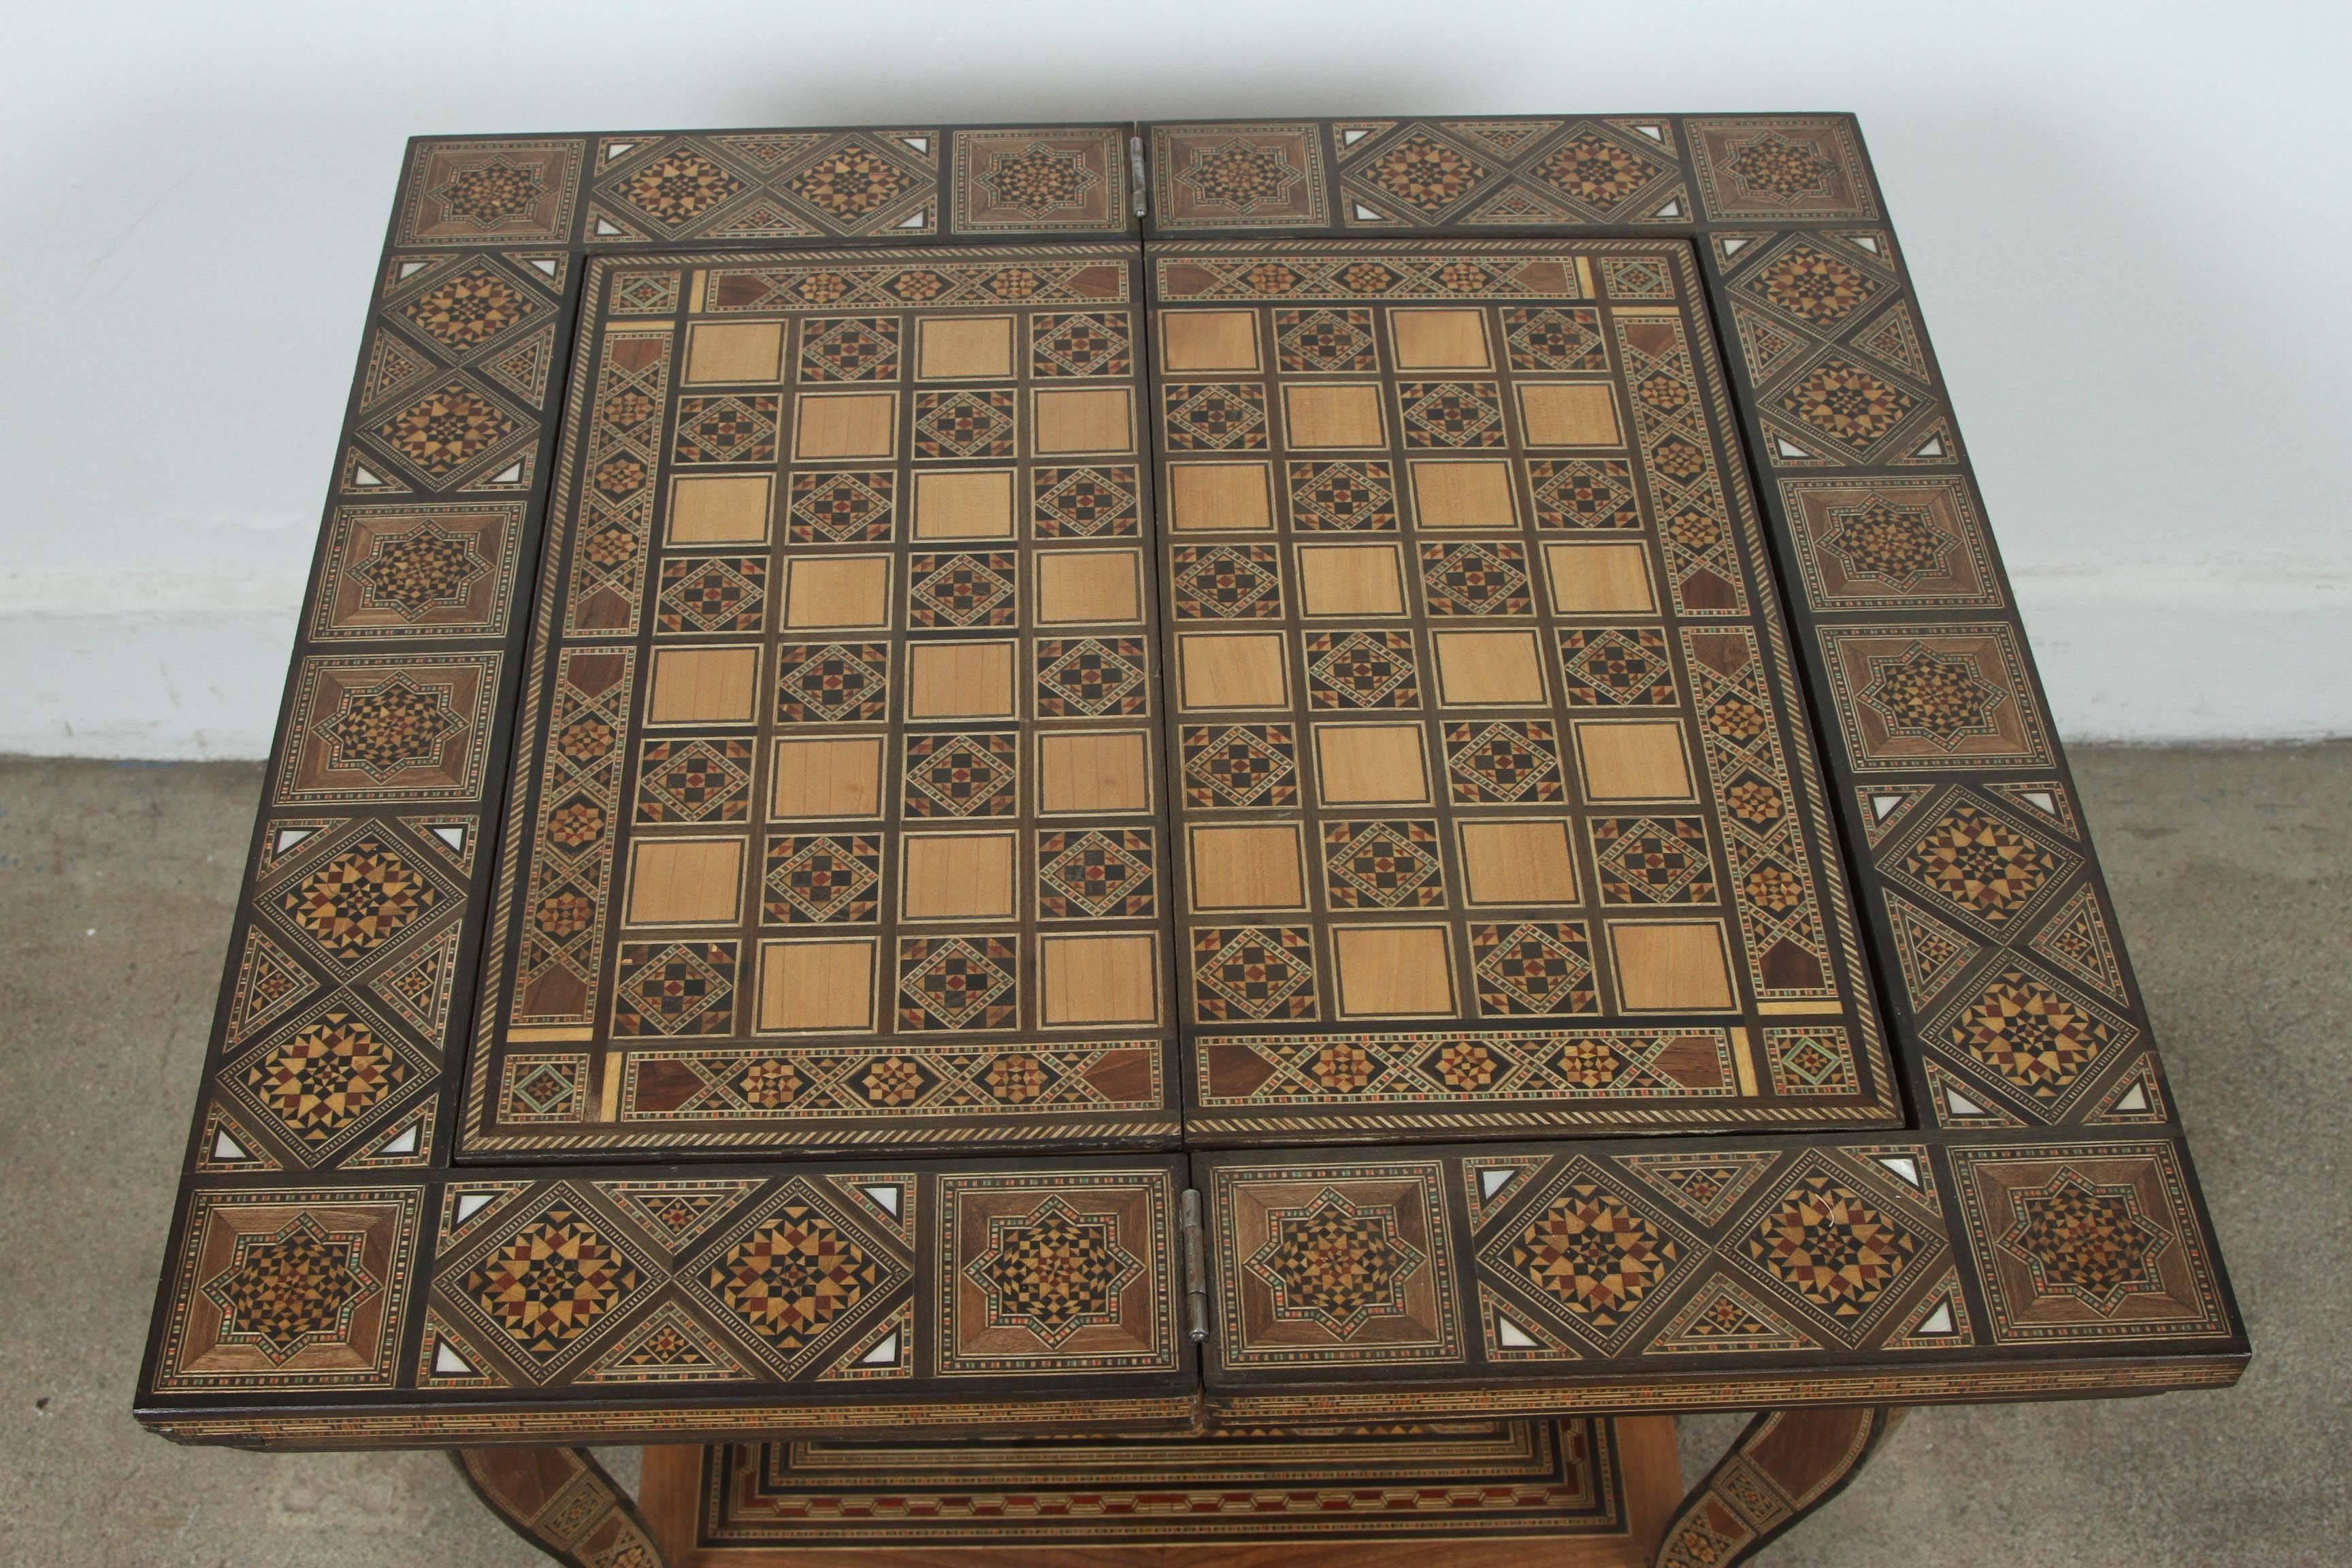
x=563, y=1502
x=1784, y=1465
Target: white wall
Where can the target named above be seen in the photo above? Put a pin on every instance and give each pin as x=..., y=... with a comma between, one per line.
x=2128, y=226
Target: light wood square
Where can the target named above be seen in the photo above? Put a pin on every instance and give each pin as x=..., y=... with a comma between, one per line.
x=810, y=987
x=1611, y=579
x=1085, y=420
x=1247, y=865
x=1486, y=669
x=964, y=505
x=1371, y=764
x=1451, y=338
x=721, y=508
x=1232, y=669
x=1568, y=414
x=1221, y=498
x=1350, y=580
x=1344, y=415
x=1671, y=966
x=961, y=680
x=956, y=877
x=1209, y=341
x=734, y=351
x=704, y=686
x=1463, y=493
x=817, y=778
x=1099, y=980
x=1089, y=587
x=845, y=424
x=1394, y=972
x=963, y=348
x=1633, y=759
x=685, y=881
x=1524, y=862
x=837, y=591
x=1089, y=772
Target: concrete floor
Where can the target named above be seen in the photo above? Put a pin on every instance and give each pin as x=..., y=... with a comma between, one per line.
x=2234, y=875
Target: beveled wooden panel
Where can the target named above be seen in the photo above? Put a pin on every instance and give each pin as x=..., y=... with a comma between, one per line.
x=835, y=820
x=1496, y=796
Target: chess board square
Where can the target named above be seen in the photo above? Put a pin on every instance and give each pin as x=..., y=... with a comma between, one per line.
x=963, y=348
x=1568, y=414
x=1450, y=339
x=1394, y=972
x=962, y=680
x=1232, y=669
x=1111, y=979
x=1465, y=492
x=1671, y=966
x=720, y=508
x=824, y=986
x=1079, y=420
x=1089, y=587
x=734, y=351
x=1370, y=764
x=845, y=424
x=685, y=881
x=704, y=686
x=1609, y=579
x=1221, y=498
x=1247, y=865
x=1481, y=669
x=964, y=505
x=1209, y=341
x=837, y=591
x=1094, y=773
x=1350, y=580
x=956, y=877
x=1633, y=759
x=831, y=777
x=1343, y=416
x=1531, y=861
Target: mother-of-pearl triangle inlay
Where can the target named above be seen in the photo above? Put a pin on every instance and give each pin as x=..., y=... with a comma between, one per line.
x=885, y=1352
x=227, y=1148
x=448, y=1363
x=1904, y=1166
x=1512, y=1336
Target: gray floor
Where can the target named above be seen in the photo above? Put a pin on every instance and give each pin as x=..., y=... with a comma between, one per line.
x=2233, y=874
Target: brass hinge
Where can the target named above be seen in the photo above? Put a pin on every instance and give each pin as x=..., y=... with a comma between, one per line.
x=1196, y=1266
x=1136, y=175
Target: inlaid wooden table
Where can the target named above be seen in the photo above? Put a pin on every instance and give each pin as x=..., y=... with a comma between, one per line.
x=1164, y=840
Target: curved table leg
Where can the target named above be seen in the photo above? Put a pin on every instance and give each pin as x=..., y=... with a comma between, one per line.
x=1784, y=1465
x=563, y=1502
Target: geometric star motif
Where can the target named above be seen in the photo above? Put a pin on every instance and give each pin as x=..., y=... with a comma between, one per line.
x=1424, y=173
x=1594, y=1255
x=1832, y=1247
x=792, y=1274
x=381, y=729
x=1844, y=401
x=550, y=1280
x=2087, y=1240
x=490, y=194
x=1596, y=170
x=1925, y=696
x=1052, y=1271
x=848, y=184
x=1819, y=287
x=423, y=569
x=328, y=1075
x=2031, y=1035
x=1980, y=864
x=468, y=310
x=1240, y=175
x=1335, y=1263
x=1772, y=167
x=285, y=1290
x=1037, y=180
x=358, y=900
x=1898, y=545
x=446, y=428
x=679, y=187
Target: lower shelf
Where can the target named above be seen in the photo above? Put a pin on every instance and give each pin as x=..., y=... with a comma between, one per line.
x=1587, y=1492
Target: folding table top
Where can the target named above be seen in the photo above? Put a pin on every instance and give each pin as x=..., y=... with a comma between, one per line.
x=880, y=707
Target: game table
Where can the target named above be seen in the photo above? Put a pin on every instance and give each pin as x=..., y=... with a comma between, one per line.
x=1198, y=841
